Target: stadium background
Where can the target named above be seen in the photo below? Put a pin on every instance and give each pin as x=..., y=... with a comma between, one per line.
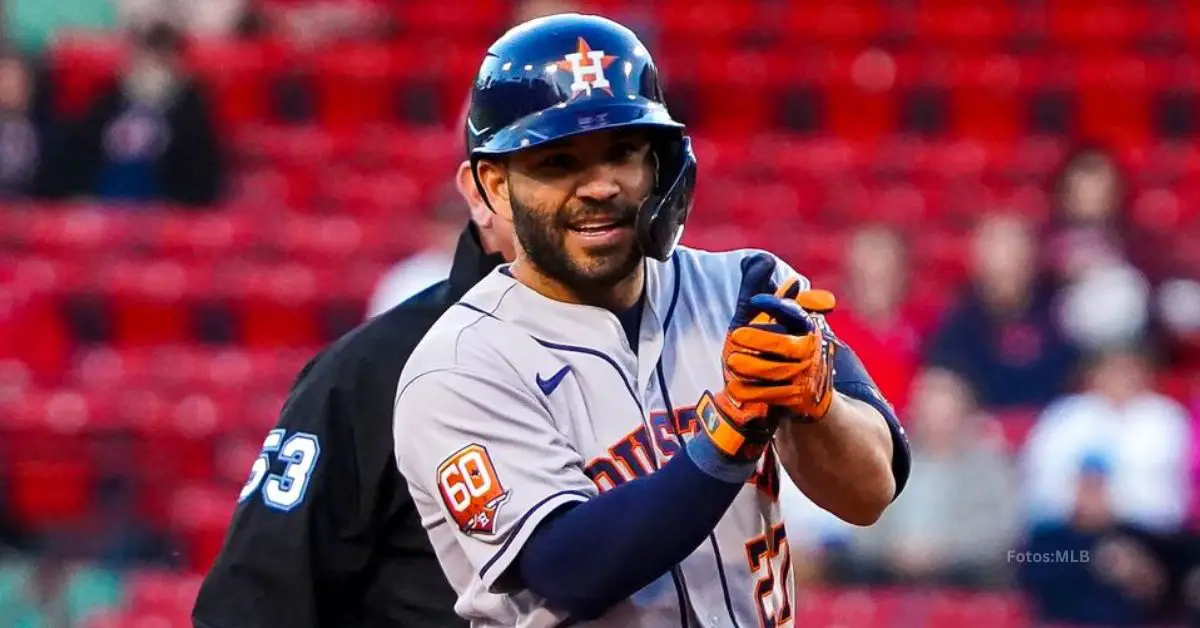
x=1003, y=193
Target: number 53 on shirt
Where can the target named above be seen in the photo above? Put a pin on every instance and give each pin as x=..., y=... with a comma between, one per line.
x=283, y=491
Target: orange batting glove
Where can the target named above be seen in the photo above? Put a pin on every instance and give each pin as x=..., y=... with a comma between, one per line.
x=739, y=428
x=784, y=358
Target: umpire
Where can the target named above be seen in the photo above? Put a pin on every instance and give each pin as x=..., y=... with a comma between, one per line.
x=325, y=533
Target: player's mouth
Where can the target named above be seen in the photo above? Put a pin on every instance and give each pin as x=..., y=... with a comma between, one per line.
x=603, y=230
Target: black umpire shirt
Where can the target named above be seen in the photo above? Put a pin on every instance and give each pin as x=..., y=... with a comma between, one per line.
x=348, y=550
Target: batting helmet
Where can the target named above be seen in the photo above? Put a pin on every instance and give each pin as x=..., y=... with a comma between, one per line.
x=563, y=75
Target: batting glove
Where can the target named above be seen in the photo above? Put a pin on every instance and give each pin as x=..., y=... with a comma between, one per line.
x=785, y=357
x=741, y=427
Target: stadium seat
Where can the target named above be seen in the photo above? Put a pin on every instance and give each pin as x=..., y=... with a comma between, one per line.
x=201, y=514
x=718, y=24
x=238, y=76
x=274, y=304
x=50, y=481
x=162, y=592
x=1115, y=98
x=468, y=20
x=862, y=93
x=841, y=25
x=1083, y=27
x=976, y=27
x=355, y=85
x=146, y=298
x=986, y=98
x=82, y=66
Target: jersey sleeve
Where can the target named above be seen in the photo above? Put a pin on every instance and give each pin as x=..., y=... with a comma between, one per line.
x=306, y=525
x=486, y=461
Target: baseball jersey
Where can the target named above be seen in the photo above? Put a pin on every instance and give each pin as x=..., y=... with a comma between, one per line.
x=515, y=405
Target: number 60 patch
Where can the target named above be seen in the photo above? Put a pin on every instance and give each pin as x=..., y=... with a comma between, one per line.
x=471, y=489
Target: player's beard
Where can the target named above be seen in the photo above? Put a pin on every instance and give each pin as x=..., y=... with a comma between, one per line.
x=543, y=235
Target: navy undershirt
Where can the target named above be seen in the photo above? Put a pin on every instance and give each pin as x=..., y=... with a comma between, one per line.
x=631, y=322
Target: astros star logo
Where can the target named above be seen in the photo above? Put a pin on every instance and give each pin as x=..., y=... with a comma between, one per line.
x=590, y=74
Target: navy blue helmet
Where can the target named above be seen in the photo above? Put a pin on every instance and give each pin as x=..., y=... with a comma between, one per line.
x=567, y=74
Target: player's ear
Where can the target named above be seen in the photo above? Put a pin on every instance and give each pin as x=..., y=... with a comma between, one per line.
x=464, y=180
x=494, y=178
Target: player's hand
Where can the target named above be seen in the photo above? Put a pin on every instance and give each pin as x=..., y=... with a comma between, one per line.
x=738, y=427
x=784, y=358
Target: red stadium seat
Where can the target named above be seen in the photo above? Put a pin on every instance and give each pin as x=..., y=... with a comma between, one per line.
x=146, y=298
x=469, y=19
x=320, y=241
x=238, y=75
x=1115, y=99
x=82, y=67
x=841, y=25
x=356, y=85
x=166, y=593
x=986, y=98
x=864, y=89
x=722, y=71
x=201, y=513
x=964, y=27
x=51, y=476
x=1080, y=26
x=274, y=305
x=716, y=23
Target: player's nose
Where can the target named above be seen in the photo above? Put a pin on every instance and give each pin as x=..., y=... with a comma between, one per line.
x=599, y=184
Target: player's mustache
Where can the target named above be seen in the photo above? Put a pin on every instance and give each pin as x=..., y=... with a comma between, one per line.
x=615, y=212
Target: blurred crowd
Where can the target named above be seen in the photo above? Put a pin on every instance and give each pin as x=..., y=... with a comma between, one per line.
x=1046, y=454
x=1055, y=449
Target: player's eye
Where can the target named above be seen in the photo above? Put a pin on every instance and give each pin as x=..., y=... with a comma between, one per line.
x=558, y=162
x=624, y=151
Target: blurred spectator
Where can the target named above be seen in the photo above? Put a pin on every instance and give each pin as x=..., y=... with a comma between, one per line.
x=1194, y=452
x=1086, y=570
x=1143, y=436
x=958, y=516
x=1001, y=335
x=1095, y=248
x=151, y=137
x=52, y=593
x=312, y=23
x=23, y=130
x=211, y=18
x=1106, y=305
x=1088, y=251
x=872, y=316
x=1089, y=215
x=425, y=268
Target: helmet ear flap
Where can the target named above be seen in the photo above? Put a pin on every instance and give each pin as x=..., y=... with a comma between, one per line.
x=661, y=219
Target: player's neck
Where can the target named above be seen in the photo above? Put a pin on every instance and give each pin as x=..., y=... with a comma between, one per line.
x=616, y=298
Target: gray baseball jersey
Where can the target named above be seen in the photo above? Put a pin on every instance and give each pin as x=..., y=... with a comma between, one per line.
x=515, y=404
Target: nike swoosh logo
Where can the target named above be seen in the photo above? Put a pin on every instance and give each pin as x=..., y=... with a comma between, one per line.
x=548, y=385
x=475, y=131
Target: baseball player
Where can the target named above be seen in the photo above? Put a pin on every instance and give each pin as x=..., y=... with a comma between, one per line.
x=593, y=434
